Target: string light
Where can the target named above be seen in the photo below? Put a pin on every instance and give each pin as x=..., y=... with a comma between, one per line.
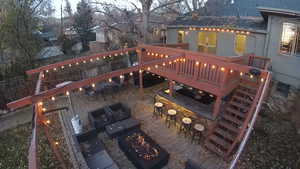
x=241, y=73
x=156, y=66
x=97, y=58
x=91, y=60
x=56, y=143
x=148, y=53
x=70, y=65
x=130, y=73
x=116, y=54
x=262, y=79
x=80, y=89
x=109, y=80
x=47, y=71
x=156, y=54
x=62, y=67
x=148, y=68
x=104, y=57
x=54, y=69
x=109, y=56
x=166, y=56
x=93, y=85
x=121, y=76
x=213, y=67
x=231, y=71
x=164, y=64
x=44, y=109
x=84, y=61
x=152, y=54
x=205, y=64
x=140, y=71
x=170, y=62
x=48, y=121
x=161, y=55
x=53, y=98
x=197, y=63
x=77, y=63
x=40, y=103
x=222, y=69
x=67, y=93
x=251, y=76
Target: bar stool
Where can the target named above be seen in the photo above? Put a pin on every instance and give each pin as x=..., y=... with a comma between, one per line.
x=171, y=117
x=186, y=125
x=158, y=108
x=197, y=132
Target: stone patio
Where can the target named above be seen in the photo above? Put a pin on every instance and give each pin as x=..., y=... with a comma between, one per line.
x=179, y=147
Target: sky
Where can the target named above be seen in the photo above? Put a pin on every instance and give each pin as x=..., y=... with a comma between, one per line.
x=57, y=4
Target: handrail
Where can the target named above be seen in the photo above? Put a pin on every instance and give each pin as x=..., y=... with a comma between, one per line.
x=253, y=120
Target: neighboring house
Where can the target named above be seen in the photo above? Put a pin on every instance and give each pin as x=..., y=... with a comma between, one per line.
x=266, y=28
x=49, y=52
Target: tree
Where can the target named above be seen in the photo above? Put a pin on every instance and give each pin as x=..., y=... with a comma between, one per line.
x=68, y=8
x=83, y=23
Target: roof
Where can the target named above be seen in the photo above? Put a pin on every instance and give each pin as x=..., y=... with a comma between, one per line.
x=249, y=7
x=253, y=23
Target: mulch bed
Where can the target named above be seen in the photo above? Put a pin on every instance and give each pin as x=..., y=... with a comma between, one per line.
x=274, y=144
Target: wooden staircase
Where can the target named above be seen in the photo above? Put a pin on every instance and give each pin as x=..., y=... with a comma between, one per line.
x=229, y=129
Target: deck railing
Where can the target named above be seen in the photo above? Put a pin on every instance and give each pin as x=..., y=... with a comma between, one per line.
x=258, y=61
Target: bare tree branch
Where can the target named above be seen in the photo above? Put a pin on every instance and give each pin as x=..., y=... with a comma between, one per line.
x=165, y=5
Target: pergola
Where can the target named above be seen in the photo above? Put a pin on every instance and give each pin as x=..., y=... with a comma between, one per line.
x=214, y=74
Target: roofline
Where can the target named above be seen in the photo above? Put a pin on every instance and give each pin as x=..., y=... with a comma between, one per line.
x=195, y=26
x=265, y=11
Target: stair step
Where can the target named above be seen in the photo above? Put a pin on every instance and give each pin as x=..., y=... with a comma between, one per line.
x=225, y=134
x=231, y=118
x=229, y=126
x=245, y=93
x=242, y=99
x=220, y=141
x=215, y=149
x=246, y=87
x=245, y=108
x=236, y=112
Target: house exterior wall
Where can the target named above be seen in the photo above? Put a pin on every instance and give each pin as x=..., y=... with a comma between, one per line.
x=225, y=42
x=285, y=68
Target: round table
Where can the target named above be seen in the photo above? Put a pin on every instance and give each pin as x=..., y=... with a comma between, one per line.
x=158, y=106
x=172, y=112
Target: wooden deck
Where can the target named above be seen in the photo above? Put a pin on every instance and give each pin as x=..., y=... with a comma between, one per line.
x=179, y=147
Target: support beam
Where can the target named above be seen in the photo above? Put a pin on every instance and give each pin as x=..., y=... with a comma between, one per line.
x=171, y=88
x=217, y=106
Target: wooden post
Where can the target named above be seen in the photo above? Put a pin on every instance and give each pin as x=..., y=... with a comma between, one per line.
x=217, y=106
x=171, y=87
x=140, y=55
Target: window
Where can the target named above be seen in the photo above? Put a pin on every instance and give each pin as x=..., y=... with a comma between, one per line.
x=207, y=42
x=290, y=39
x=240, y=44
x=180, y=37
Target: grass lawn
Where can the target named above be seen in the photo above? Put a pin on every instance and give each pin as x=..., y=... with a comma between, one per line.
x=14, y=145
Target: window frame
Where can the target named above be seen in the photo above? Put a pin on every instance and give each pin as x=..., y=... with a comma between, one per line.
x=293, y=52
x=183, y=36
x=235, y=44
x=206, y=45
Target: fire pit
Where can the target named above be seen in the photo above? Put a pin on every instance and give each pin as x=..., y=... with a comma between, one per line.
x=142, y=150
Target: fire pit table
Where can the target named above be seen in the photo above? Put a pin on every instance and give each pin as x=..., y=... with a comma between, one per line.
x=142, y=150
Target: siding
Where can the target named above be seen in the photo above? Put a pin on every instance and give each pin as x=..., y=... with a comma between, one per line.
x=285, y=68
